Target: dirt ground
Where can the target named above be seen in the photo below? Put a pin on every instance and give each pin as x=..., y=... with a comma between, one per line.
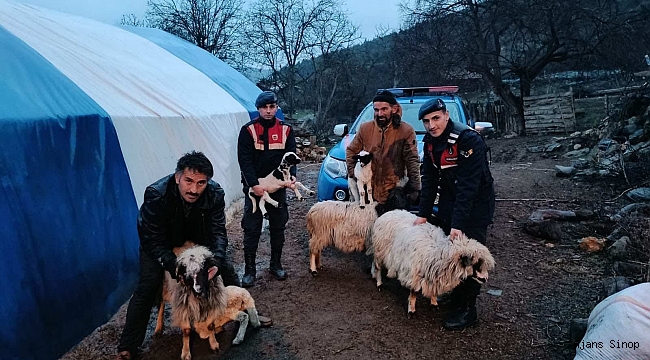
x=341, y=315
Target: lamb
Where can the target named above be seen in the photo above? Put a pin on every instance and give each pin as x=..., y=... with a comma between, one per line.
x=200, y=300
x=345, y=225
x=362, y=181
x=276, y=180
x=423, y=259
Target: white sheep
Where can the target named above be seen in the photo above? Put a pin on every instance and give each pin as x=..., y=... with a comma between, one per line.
x=423, y=258
x=345, y=225
x=201, y=301
x=279, y=178
x=362, y=181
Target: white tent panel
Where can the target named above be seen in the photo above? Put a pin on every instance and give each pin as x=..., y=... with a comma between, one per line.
x=161, y=107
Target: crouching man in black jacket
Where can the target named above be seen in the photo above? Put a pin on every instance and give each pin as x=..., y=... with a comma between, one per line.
x=184, y=206
x=456, y=180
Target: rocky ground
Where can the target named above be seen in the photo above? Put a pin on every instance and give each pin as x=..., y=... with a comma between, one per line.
x=525, y=310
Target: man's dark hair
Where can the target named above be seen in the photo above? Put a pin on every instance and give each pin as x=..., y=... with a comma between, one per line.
x=196, y=161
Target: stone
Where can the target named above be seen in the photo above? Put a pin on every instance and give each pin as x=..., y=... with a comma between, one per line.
x=580, y=164
x=577, y=146
x=631, y=270
x=640, y=194
x=564, y=171
x=577, y=153
x=575, y=134
x=614, y=284
x=636, y=137
x=628, y=209
x=536, y=149
x=620, y=249
x=577, y=330
x=629, y=130
x=552, y=147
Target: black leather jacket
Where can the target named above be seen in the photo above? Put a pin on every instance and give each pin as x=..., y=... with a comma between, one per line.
x=165, y=221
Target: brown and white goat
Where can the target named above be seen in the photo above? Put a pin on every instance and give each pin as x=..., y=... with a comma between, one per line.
x=279, y=178
x=423, y=258
x=201, y=301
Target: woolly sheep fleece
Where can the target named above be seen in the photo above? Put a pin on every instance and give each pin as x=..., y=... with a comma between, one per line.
x=421, y=257
x=343, y=225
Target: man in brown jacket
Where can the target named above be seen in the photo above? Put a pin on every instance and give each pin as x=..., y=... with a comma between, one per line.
x=393, y=147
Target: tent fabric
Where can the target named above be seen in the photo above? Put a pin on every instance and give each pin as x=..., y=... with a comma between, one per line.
x=236, y=84
x=67, y=209
x=90, y=114
x=619, y=327
x=160, y=106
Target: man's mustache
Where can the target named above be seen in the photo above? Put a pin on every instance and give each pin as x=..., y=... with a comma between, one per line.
x=192, y=194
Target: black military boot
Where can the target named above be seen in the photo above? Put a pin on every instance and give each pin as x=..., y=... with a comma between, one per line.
x=276, y=268
x=249, y=271
x=463, y=301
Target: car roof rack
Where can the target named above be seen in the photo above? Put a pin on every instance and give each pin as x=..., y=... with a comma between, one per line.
x=423, y=91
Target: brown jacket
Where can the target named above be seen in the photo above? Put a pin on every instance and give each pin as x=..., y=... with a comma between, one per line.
x=395, y=154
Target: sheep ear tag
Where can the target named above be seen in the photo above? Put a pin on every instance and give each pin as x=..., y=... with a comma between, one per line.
x=212, y=272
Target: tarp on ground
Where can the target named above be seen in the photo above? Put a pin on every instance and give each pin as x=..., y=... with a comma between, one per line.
x=90, y=114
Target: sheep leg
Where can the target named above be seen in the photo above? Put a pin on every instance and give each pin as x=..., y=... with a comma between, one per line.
x=254, y=318
x=412, y=298
x=250, y=195
x=307, y=190
x=362, y=194
x=434, y=301
x=319, y=266
x=242, y=317
x=376, y=273
x=298, y=195
x=354, y=190
x=214, y=344
x=185, y=353
x=369, y=191
x=312, y=264
x=161, y=319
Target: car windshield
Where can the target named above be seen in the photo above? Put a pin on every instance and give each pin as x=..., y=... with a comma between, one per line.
x=409, y=114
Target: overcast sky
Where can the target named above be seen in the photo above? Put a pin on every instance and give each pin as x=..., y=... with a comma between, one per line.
x=367, y=14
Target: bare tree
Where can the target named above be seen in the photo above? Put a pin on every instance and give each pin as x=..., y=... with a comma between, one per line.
x=332, y=33
x=132, y=20
x=210, y=24
x=502, y=39
x=281, y=33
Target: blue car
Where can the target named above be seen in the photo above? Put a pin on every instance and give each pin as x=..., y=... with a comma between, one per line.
x=332, y=179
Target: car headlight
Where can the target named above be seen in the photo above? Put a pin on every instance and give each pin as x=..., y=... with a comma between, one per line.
x=335, y=168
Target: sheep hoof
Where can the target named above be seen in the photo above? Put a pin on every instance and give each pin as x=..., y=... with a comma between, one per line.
x=380, y=287
x=313, y=272
x=266, y=216
x=410, y=315
x=311, y=193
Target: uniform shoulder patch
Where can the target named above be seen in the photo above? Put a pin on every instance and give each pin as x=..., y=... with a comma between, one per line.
x=467, y=153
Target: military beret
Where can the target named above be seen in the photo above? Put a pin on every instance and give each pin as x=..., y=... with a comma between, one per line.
x=430, y=106
x=267, y=97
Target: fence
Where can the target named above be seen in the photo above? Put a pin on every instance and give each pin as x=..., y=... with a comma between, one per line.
x=550, y=113
x=496, y=113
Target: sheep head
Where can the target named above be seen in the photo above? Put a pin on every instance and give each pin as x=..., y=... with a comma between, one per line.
x=474, y=259
x=363, y=157
x=195, y=268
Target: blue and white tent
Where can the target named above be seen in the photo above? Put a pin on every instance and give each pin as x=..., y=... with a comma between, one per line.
x=90, y=114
